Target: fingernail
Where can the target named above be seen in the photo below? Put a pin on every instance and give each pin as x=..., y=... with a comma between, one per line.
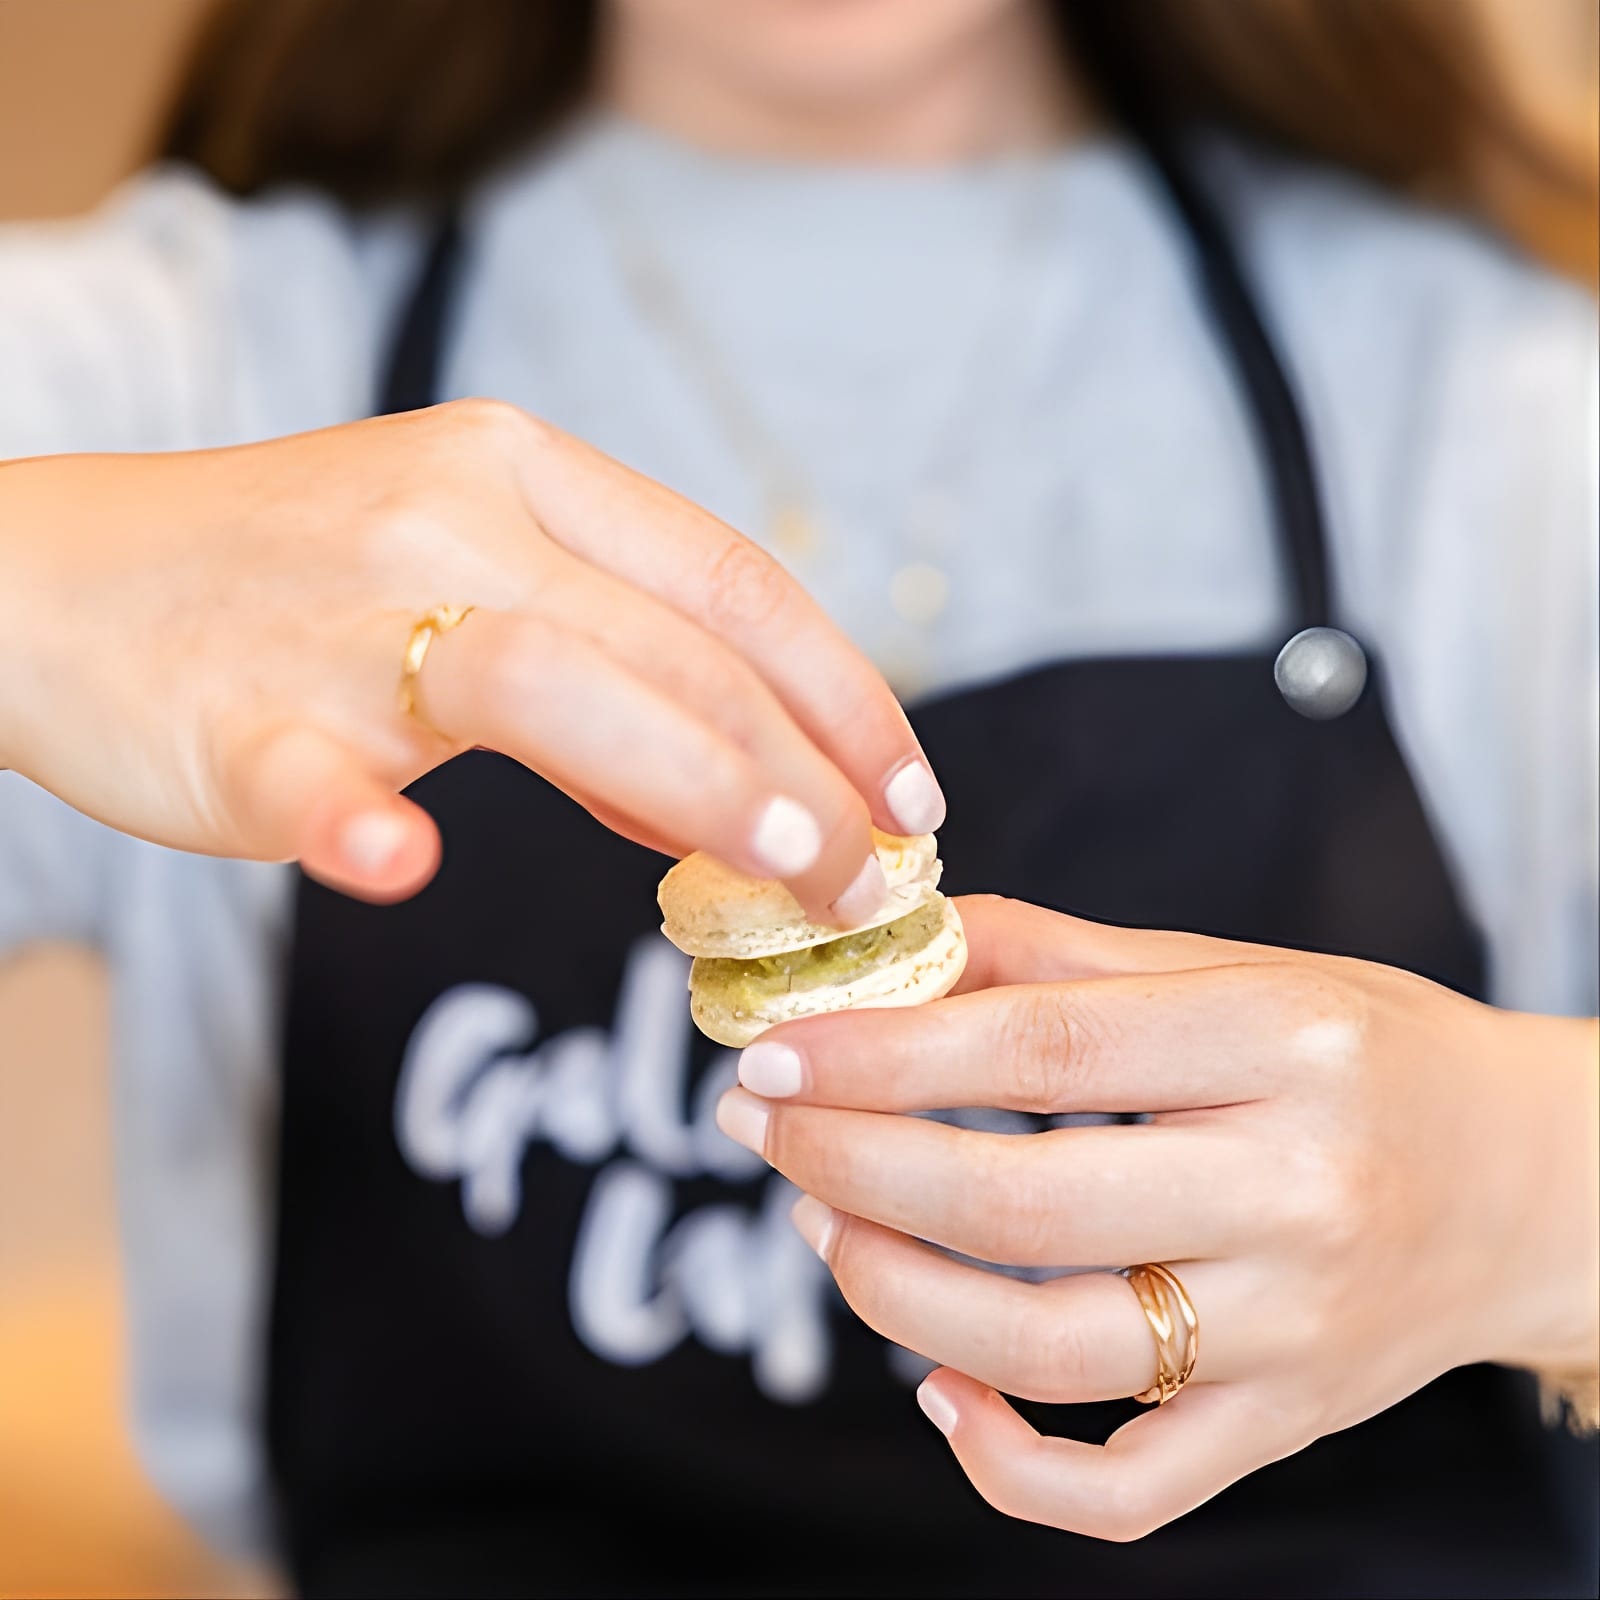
x=915, y=799
x=936, y=1407
x=744, y=1119
x=814, y=1222
x=787, y=839
x=866, y=894
x=372, y=840
x=771, y=1069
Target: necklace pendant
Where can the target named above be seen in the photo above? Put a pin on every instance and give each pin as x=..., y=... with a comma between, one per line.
x=792, y=530
x=919, y=593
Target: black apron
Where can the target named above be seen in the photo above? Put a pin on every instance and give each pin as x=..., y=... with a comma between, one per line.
x=538, y=1329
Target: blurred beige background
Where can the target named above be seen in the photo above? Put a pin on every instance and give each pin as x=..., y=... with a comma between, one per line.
x=81, y=86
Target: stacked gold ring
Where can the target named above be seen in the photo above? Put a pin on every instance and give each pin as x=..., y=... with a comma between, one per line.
x=428, y=628
x=1166, y=1306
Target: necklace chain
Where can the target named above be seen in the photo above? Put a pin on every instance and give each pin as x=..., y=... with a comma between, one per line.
x=919, y=589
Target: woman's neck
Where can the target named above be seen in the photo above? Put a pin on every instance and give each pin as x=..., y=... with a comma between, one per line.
x=1005, y=90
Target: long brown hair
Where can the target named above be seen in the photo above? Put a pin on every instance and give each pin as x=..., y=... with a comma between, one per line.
x=374, y=100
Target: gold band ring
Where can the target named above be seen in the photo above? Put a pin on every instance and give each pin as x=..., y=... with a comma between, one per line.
x=428, y=628
x=1166, y=1306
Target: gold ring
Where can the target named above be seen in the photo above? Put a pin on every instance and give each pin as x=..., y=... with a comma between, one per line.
x=428, y=628
x=1165, y=1306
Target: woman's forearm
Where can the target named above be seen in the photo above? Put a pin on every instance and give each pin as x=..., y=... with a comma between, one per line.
x=43, y=501
x=1553, y=1065
x=19, y=608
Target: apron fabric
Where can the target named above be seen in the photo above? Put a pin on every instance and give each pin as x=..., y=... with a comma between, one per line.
x=538, y=1329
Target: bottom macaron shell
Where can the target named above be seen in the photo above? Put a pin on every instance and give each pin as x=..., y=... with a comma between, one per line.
x=928, y=975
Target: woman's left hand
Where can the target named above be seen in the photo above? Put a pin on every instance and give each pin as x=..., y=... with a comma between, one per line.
x=1360, y=1178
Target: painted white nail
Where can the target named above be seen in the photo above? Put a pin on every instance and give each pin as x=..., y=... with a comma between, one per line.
x=815, y=1223
x=771, y=1069
x=371, y=841
x=915, y=798
x=744, y=1119
x=865, y=895
x=936, y=1408
x=787, y=839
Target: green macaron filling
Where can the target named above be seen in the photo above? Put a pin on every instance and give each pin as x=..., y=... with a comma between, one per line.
x=747, y=986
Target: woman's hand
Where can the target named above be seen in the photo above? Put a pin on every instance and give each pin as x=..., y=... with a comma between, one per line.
x=205, y=650
x=1360, y=1178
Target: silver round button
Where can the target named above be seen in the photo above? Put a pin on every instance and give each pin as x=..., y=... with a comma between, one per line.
x=1321, y=673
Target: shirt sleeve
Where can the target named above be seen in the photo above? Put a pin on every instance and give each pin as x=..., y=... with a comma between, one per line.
x=175, y=317
x=1451, y=392
x=172, y=318
x=1485, y=607
x=112, y=332
x=52, y=868
x=102, y=347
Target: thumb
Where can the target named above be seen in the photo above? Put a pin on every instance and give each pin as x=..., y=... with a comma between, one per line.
x=305, y=796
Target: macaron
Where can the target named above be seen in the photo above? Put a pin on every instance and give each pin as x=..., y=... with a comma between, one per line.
x=759, y=960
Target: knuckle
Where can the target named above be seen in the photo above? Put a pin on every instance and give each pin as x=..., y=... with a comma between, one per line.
x=519, y=661
x=1042, y=1043
x=1000, y=1495
x=482, y=420
x=1306, y=1323
x=1342, y=1204
x=1324, y=1188
x=1127, y=1512
x=722, y=780
x=843, y=816
x=798, y=1144
x=1006, y=1482
x=1027, y=1225
x=864, y=705
x=745, y=587
x=1322, y=1014
x=859, y=1286
x=716, y=770
x=534, y=434
x=1053, y=1353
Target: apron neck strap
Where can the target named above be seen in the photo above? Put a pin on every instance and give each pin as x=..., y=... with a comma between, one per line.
x=411, y=377
x=1275, y=412
x=411, y=373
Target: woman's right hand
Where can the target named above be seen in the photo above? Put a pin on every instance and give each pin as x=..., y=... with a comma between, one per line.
x=204, y=650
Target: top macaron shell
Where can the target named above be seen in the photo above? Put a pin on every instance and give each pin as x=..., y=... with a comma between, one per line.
x=710, y=909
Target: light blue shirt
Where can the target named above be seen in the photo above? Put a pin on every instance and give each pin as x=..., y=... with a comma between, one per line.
x=1099, y=490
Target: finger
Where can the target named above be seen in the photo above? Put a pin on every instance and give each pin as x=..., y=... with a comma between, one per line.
x=562, y=705
x=723, y=690
x=699, y=566
x=1072, y=1339
x=1172, y=1041
x=1093, y=1196
x=1010, y=941
x=1159, y=1466
x=301, y=794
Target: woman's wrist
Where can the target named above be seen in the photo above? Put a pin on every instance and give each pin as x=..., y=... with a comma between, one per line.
x=15, y=609
x=1550, y=1067
x=22, y=530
